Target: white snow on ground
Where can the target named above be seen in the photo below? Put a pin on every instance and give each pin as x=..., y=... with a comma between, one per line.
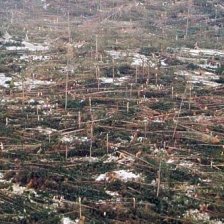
x=70, y=139
x=67, y=220
x=191, y=60
x=207, y=66
x=137, y=59
x=117, y=81
x=205, y=78
x=121, y=159
x=67, y=139
x=46, y=131
x=4, y=79
x=202, y=52
x=112, y=193
x=171, y=161
x=18, y=189
x=40, y=105
x=163, y=63
x=45, y=4
x=7, y=36
x=79, y=44
x=28, y=83
x=86, y=159
x=28, y=46
x=82, y=139
x=186, y=164
x=200, y=217
x=196, y=215
x=25, y=44
x=1, y=176
x=32, y=83
x=34, y=57
x=122, y=175
x=30, y=101
x=206, y=180
x=7, y=100
x=90, y=159
x=116, y=54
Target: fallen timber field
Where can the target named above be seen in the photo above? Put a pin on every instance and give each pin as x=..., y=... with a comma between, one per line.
x=99, y=126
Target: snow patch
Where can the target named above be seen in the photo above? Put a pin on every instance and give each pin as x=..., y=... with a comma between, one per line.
x=32, y=83
x=18, y=189
x=137, y=59
x=205, y=78
x=67, y=220
x=202, y=52
x=171, y=161
x=7, y=36
x=112, y=193
x=4, y=80
x=28, y=46
x=116, y=54
x=116, y=81
x=34, y=57
x=67, y=139
x=121, y=159
x=122, y=175
x=200, y=217
x=70, y=139
x=46, y=131
x=186, y=164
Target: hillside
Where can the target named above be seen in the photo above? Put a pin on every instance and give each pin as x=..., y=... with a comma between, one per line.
x=111, y=111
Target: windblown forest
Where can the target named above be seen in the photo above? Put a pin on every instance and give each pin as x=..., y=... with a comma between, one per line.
x=112, y=111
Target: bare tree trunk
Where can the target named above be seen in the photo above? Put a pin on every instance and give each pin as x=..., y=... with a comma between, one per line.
x=113, y=72
x=79, y=119
x=96, y=57
x=66, y=91
x=80, y=208
x=23, y=90
x=190, y=90
x=91, y=140
x=158, y=180
x=107, y=143
x=187, y=26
